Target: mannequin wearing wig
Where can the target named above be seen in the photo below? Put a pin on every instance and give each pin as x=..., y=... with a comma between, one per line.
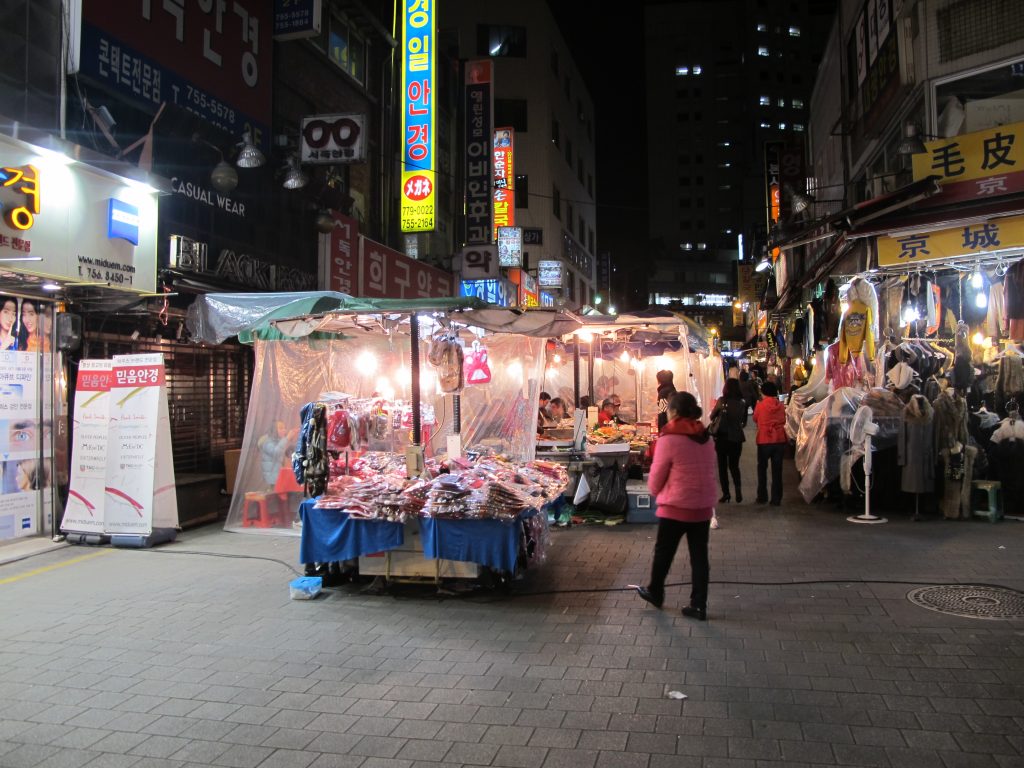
x=851, y=358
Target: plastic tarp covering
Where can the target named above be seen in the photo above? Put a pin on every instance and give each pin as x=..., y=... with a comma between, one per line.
x=824, y=451
x=499, y=415
x=215, y=317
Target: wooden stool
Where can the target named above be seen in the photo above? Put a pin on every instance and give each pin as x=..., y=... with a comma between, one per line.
x=260, y=510
x=993, y=489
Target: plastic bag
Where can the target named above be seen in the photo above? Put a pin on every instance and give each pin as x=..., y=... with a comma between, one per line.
x=608, y=489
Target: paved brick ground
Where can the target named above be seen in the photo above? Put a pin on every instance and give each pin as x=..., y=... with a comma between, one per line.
x=129, y=658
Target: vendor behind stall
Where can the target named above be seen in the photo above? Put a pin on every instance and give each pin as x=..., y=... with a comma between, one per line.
x=609, y=412
x=542, y=412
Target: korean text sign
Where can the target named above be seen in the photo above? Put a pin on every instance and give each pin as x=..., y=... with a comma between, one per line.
x=419, y=63
x=993, y=235
x=212, y=57
x=991, y=153
x=479, y=109
x=504, y=179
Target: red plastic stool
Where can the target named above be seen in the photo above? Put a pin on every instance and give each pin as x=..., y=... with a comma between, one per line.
x=259, y=510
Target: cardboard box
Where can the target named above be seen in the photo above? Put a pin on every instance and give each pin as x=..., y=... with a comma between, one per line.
x=231, y=458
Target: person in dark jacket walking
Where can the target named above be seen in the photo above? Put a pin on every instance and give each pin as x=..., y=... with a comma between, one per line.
x=683, y=481
x=666, y=391
x=729, y=437
x=770, y=417
x=749, y=390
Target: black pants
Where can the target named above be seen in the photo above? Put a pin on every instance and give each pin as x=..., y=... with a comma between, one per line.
x=669, y=534
x=772, y=452
x=729, y=462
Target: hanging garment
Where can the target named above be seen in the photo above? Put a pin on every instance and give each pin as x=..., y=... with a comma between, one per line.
x=1013, y=292
x=916, y=447
x=833, y=311
x=1010, y=381
x=958, y=476
x=891, y=306
x=950, y=421
x=995, y=319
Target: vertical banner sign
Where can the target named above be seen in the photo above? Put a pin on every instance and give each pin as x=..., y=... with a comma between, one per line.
x=419, y=62
x=504, y=180
x=772, y=186
x=479, y=119
x=140, y=492
x=20, y=429
x=84, y=511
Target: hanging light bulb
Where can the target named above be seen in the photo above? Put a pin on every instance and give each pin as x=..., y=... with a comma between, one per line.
x=976, y=281
x=911, y=315
x=556, y=358
x=366, y=363
x=978, y=339
x=981, y=300
x=624, y=357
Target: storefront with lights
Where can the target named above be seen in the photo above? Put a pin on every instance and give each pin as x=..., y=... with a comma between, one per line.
x=75, y=227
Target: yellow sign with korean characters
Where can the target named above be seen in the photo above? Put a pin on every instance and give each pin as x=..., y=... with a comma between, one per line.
x=992, y=152
x=944, y=244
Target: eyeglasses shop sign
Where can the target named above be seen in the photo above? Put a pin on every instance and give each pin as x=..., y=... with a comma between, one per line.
x=329, y=139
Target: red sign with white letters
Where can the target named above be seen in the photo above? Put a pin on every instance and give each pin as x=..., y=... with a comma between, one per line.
x=365, y=268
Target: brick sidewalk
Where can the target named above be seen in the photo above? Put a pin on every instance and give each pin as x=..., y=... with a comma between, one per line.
x=128, y=658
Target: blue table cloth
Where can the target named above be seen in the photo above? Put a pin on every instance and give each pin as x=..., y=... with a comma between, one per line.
x=488, y=542
x=329, y=535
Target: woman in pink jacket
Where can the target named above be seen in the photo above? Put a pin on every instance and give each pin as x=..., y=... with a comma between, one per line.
x=683, y=480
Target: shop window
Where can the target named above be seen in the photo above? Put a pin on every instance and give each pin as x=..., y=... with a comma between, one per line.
x=794, y=31
x=500, y=40
x=763, y=51
x=522, y=191
x=345, y=47
x=797, y=103
x=765, y=101
x=556, y=203
x=511, y=112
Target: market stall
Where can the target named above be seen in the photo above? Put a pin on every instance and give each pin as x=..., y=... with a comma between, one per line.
x=416, y=438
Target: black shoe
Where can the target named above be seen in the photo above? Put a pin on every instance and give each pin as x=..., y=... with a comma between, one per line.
x=739, y=497
x=759, y=500
x=700, y=614
x=650, y=597
x=724, y=499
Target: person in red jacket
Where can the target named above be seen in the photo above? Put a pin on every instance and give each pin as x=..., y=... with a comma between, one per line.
x=683, y=480
x=770, y=417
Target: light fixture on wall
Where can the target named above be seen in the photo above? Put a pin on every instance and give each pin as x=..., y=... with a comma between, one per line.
x=801, y=201
x=223, y=177
x=324, y=221
x=294, y=177
x=249, y=155
x=911, y=143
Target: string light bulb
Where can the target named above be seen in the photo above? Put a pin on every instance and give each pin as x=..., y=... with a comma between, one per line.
x=978, y=339
x=981, y=300
x=976, y=282
x=366, y=363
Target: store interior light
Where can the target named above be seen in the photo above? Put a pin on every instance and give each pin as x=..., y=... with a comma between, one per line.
x=624, y=357
x=978, y=339
x=294, y=177
x=556, y=358
x=981, y=300
x=977, y=283
x=611, y=309
x=911, y=315
x=50, y=287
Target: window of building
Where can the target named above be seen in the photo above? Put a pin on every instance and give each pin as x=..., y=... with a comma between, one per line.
x=762, y=50
x=762, y=27
x=511, y=112
x=686, y=246
x=579, y=168
x=682, y=71
x=782, y=126
x=702, y=246
x=765, y=101
x=568, y=151
x=569, y=216
x=522, y=191
x=556, y=134
x=781, y=102
x=581, y=229
x=725, y=165
x=766, y=125
x=500, y=40
x=556, y=202
x=798, y=127
x=590, y=240
x=725, y=187
x=698, y=69
x=725, y=144
x=797, y=103
x=345, y=47
x=580, y=114
x=700, y=202
x=554, y=61
x=794, y=31
x=590, y=185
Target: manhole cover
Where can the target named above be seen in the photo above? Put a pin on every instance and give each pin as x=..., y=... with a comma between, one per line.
x=970, y=601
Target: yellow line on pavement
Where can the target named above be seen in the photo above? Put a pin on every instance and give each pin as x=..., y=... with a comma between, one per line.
x=46, y=568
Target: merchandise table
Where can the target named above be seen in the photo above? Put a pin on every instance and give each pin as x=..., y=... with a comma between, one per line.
x=330, y=535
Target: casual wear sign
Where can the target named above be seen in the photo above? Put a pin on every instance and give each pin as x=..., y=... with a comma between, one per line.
x=993, y=235
x=140, y=491
x=86, y=495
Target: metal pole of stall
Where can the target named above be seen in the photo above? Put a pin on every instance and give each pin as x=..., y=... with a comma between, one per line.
x=590, y=369
x=576, y=370
x=457, y=414
x=414, y=364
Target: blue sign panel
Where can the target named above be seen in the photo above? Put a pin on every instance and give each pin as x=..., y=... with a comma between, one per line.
x=493, y=291
x=123, y=221
x=296, y=18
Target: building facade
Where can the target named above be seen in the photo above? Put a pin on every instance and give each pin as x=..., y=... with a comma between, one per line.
x=718, y=103
x=539, y=93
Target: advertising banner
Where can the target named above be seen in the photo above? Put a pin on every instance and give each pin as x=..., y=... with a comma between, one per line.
x=86, y=495
x=295, y=19
x=140, y=491
x=494, y=291
x=21, y=438
x=419, y=63
x=211, y=58
x=504, y=179
x=479, y=110
x=549, y=273
x=510, y=246
x=479, y=262
x=994, y=235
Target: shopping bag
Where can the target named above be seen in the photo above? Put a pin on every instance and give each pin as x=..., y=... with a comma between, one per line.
x=582, y=490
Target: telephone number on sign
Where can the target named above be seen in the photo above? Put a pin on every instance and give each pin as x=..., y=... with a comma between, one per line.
x=215, y=107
